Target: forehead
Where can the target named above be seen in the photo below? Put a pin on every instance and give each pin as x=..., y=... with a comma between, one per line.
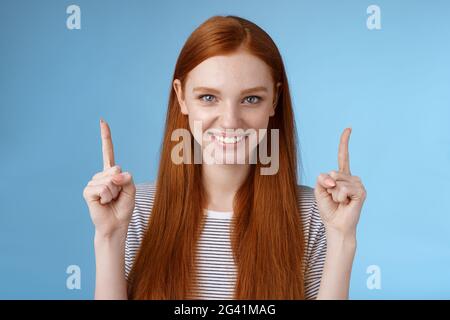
x=233, y=71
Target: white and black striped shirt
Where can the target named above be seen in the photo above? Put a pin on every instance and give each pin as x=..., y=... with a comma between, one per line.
x=217, y=270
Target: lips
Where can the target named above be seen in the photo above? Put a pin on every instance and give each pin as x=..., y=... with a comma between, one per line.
x=229, y=140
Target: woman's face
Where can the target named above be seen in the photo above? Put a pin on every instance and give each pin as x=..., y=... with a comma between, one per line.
x=224, y=94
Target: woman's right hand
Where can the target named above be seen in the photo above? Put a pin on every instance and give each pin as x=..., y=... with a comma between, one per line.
x=111, y=193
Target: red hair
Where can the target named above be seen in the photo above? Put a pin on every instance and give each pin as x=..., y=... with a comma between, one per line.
x=267, y=237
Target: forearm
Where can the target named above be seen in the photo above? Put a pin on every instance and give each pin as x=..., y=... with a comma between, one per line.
x=337, y=269
x=110, y=282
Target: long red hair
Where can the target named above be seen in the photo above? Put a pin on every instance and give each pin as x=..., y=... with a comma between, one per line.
x=267, y=234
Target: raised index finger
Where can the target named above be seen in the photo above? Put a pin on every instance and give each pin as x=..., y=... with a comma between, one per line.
x=343, y=157
x=107, y=146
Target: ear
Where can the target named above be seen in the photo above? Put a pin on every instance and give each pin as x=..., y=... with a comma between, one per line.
x=180, y=97
x=276, y=98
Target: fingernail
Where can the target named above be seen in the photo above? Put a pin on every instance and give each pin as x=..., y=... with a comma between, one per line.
x=117, y=176
x=101, y=120
x=330, y=182
x=121, y=175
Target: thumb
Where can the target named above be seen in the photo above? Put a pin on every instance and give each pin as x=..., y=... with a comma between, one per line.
x=325, y=202
x=125, y=180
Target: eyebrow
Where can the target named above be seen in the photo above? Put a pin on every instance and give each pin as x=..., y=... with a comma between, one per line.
x=254, y=89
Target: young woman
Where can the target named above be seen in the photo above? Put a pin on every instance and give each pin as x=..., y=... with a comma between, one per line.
x=225, y=230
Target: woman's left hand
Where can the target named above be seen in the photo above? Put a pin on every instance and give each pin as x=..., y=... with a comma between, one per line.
x=340, y=195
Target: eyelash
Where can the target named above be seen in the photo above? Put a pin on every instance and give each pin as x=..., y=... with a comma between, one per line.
x=210, y=95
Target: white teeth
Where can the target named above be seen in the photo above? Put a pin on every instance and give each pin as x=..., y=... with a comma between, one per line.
x=229, y=139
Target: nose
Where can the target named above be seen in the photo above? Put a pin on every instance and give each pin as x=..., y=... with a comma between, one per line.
x=229, y=116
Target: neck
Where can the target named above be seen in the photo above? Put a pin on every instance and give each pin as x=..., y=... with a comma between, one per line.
x=221, y=183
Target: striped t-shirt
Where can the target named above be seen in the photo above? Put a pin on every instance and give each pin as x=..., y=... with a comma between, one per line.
x=217, y=272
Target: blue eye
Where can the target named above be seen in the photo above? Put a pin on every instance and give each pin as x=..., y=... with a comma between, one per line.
x=255, y=100
x=206, y=95
x=249, y=99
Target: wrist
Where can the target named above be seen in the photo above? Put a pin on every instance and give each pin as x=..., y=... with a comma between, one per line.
x=116, y=237
x=341, y=240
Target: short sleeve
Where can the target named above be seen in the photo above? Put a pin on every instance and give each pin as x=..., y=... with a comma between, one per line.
x=145, y=193
x=316, y=244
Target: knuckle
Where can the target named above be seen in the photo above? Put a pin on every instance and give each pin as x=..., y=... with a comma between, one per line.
x=109, y=179
x=85, y=192
x=108, y=184
x=103, y=189
x=116, y=169
x=334, y=174
x=112, y=186
x=97, y=175
x=321, y=176
x=128, y=173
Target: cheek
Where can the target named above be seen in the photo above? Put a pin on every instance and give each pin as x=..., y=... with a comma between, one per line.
x=198, y=112
x=256, y=118
x=199, y=121
x=256, y=121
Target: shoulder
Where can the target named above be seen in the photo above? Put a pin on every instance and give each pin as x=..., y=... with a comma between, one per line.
x=145, y=190
x=313, y=227
x=145, y=194
x=308, y=205
x=143, y=204
x=305, y=195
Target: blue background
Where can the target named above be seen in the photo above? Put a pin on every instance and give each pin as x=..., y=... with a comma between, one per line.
x=391, y=85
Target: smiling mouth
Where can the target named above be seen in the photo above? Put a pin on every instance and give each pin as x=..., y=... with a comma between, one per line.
x=227, y=140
